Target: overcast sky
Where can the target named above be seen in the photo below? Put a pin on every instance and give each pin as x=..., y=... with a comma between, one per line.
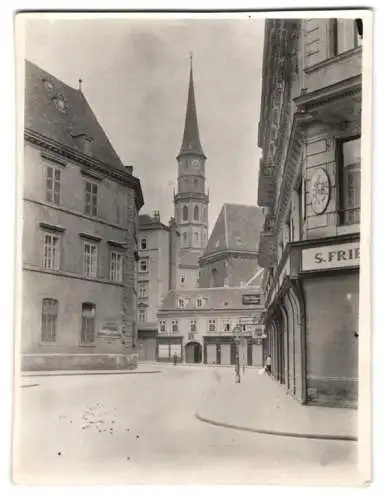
x=135, y=77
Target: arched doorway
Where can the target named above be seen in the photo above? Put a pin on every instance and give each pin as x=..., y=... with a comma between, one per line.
x=193, y=352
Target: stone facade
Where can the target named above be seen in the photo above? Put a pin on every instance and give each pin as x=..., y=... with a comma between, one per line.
x=198, y=325
x=309, y=186
x=157, y=270
x=79, y=237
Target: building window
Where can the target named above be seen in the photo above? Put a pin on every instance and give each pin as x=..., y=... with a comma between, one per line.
x=181, y=303
x=142, y=289
x=143, y=244
x=182, y=278
x=91, y=204
x=196, y=213
x=226, y=325
x=143, y=266
x=196, y=238
x=116, y=266
x=142, y=315
x=212, y=325
x=60, y=104
x=184, y=238
x=51, y=251
x=193, y=325
x=49, y=315
x=53, y=184
x=199, y=302
x=185, y=213
x=347, y=35
x=88, y=323
x=349, y=152
x=90, y=259
x=174, y=326
x=162, y=326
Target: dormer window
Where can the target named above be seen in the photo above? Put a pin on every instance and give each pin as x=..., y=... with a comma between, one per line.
x=60, y=103
x=84, y=143
x=48, y=84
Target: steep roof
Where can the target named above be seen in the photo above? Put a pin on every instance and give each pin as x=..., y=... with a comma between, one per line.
x=237, y=228
x=191, y=142
x=148, y=222
x=214, y=298
x=43, y=117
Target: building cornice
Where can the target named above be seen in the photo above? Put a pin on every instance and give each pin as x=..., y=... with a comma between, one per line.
x=88, y=162
x=226, y=253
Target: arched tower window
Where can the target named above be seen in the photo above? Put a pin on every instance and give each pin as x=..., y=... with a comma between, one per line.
x=185, y=213
x=196, y=213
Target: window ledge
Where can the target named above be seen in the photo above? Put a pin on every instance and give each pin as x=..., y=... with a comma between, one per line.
x=332, y=60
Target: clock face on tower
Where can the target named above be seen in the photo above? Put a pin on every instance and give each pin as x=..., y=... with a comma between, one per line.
x=195, y=163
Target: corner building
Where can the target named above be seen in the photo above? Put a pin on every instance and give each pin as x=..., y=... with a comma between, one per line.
x=80, y=206
x=309, y=186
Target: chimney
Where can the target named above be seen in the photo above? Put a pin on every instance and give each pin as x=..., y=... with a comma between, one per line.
x=129, y=168
x=156, y=215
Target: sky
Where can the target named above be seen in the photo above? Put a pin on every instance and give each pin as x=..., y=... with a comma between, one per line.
x=135, y=77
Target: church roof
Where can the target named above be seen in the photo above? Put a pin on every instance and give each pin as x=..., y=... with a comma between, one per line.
x=191, y=143
x=237, y=228
x=76, y=118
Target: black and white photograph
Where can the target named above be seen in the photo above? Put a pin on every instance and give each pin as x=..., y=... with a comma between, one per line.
x=193, y=265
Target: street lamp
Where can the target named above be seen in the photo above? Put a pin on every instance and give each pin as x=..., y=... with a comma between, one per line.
x=237, y=331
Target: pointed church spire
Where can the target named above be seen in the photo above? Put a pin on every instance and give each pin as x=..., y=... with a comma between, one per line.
x=191, y=142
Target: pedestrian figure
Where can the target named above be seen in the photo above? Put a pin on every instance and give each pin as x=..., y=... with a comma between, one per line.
x=268, y=364
x=175, y=359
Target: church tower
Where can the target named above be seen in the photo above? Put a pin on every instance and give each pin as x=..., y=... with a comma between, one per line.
x=191, y=201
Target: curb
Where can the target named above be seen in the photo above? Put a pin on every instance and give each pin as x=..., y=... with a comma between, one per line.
x=73, y=373
x=329, y=437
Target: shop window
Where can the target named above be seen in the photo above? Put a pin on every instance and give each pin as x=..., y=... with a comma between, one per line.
x=174, y=326
x=349, y=159
x=88, y=323
x=49, y=316
x=53, y=181
x=51, y=251
x=212, y=325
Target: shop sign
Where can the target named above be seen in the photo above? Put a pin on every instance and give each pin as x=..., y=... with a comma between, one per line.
x=251, y=299
x=331, y=257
